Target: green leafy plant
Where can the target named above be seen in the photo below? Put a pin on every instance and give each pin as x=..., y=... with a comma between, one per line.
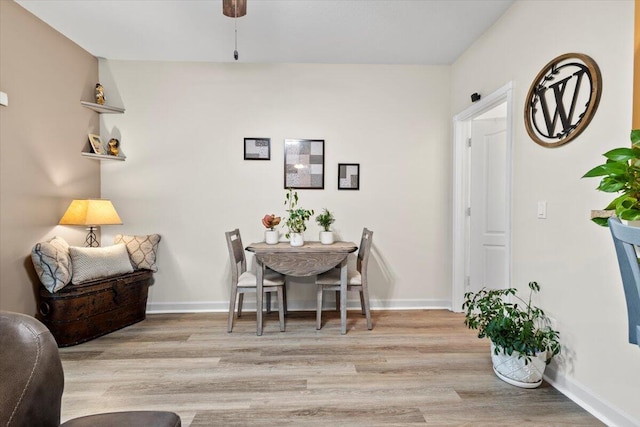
x=621, y=174
x=325, y=219
x=513, y=327
x=296, y=222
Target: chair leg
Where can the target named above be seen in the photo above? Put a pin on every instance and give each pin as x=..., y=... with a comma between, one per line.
x=268, y=302
x=232, y=307
x=365, y=303
x=284, y=295
x=318, y=306
x=362, y=302
x=280, y=294
x=240, y=300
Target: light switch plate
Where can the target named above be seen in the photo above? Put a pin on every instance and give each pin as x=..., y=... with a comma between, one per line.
x=4, y=99
x=542, y=209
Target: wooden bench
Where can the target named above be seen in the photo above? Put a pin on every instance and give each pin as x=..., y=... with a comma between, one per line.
x=79, y=313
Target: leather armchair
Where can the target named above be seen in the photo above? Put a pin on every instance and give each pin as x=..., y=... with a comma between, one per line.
x=32, y=381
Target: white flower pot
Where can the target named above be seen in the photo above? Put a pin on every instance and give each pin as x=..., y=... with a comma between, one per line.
x=296, y=239
x=271, y=237
x=326, y=237
x=514, y=371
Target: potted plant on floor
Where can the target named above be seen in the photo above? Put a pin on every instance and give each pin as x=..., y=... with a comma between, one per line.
x=271, y=235
x=296, y=222
x=325, y=219
x=522, y=340
x=620, y=174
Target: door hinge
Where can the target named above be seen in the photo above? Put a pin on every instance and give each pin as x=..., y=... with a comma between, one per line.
x=467, y=282
x=468, y=142
x=468, y=211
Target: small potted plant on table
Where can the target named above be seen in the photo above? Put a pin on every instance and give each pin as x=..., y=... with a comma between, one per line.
x=522, y=340
x=296, y=222
x=271, y=235
x=325, y=219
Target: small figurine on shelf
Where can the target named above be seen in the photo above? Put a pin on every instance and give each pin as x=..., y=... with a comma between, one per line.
x=113, y=146
x=99, y=94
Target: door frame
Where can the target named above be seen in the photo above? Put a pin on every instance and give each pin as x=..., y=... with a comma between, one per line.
x=461, y=188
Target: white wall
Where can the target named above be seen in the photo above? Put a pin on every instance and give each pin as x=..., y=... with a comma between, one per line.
x=186, y=179
x=572, y=259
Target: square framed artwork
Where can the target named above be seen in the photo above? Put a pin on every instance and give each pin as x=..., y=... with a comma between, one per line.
x=96, y=144
x=304, y=163
x=257, y=148
x=348, y=176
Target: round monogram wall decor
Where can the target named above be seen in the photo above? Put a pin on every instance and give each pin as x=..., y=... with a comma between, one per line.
x=562, y=99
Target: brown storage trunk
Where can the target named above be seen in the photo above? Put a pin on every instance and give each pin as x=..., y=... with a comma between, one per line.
x=79, y=313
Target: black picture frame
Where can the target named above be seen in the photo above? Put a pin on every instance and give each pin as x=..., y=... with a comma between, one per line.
x=257, y=148
x=348, y=176
x=304, y=164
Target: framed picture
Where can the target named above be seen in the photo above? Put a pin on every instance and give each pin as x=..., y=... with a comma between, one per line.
x=96, y=144
x=304, y=163
x=257, y=148
x=348, y=176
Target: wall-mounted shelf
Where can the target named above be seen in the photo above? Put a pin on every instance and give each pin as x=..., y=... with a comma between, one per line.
x=102, y=156
x=102, y=108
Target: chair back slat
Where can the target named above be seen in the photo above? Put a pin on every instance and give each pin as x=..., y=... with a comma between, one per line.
x=236, y=254
x=625, y=239
x=363, y=252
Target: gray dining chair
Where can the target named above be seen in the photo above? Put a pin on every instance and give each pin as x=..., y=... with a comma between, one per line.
x=625, y=239
x=356, y=281
x=243, y=281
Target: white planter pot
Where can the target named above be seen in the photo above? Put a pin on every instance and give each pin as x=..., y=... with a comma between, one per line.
x=271, y=237
x=326, y=237
x=296, y=239
x=514, y=371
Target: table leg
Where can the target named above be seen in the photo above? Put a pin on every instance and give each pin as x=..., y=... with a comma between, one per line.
x=259, y=293
x=343, y=296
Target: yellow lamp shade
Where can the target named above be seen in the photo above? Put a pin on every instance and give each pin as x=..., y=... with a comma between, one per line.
x=90, y=212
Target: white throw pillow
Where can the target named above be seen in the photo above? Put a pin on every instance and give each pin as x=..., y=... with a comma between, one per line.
x=142, y=250
x=52, y=263
x=96, y=263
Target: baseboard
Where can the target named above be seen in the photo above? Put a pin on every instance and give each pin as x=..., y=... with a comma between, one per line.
x=591, y=403
x=223, y=306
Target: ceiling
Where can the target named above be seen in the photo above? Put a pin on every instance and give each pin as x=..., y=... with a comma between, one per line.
x=274, y=31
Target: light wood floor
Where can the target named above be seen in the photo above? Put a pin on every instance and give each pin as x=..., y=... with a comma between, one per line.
x=414, y=368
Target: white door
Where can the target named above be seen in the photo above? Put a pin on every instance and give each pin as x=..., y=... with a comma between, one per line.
x=481, y=250
x=488, y=262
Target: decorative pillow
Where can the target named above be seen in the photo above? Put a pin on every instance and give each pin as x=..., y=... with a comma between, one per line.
x=52, y=263
x=96, y=263
x=142, y=250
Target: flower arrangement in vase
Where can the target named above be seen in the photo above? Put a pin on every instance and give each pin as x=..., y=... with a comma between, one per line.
x=271, y=235
x=324, y=220
x=296, y=222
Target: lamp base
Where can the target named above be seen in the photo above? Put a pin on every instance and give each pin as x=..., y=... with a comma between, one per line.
x=92, y=241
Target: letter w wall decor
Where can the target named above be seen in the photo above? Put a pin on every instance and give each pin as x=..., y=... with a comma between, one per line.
x=562, y=99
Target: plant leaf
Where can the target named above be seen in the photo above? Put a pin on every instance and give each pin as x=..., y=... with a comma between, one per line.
x=635, y=137
x=622, y=154
x=611, y=185
x=607, y=169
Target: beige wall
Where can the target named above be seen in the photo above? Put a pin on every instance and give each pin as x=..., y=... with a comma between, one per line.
x=186, y=179
x=42, y=132
x=572, y=259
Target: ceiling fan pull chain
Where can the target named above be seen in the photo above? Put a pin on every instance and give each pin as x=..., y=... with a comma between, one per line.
x=235, y=25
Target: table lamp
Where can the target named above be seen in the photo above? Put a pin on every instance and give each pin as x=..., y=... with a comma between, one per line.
x=92, y=213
